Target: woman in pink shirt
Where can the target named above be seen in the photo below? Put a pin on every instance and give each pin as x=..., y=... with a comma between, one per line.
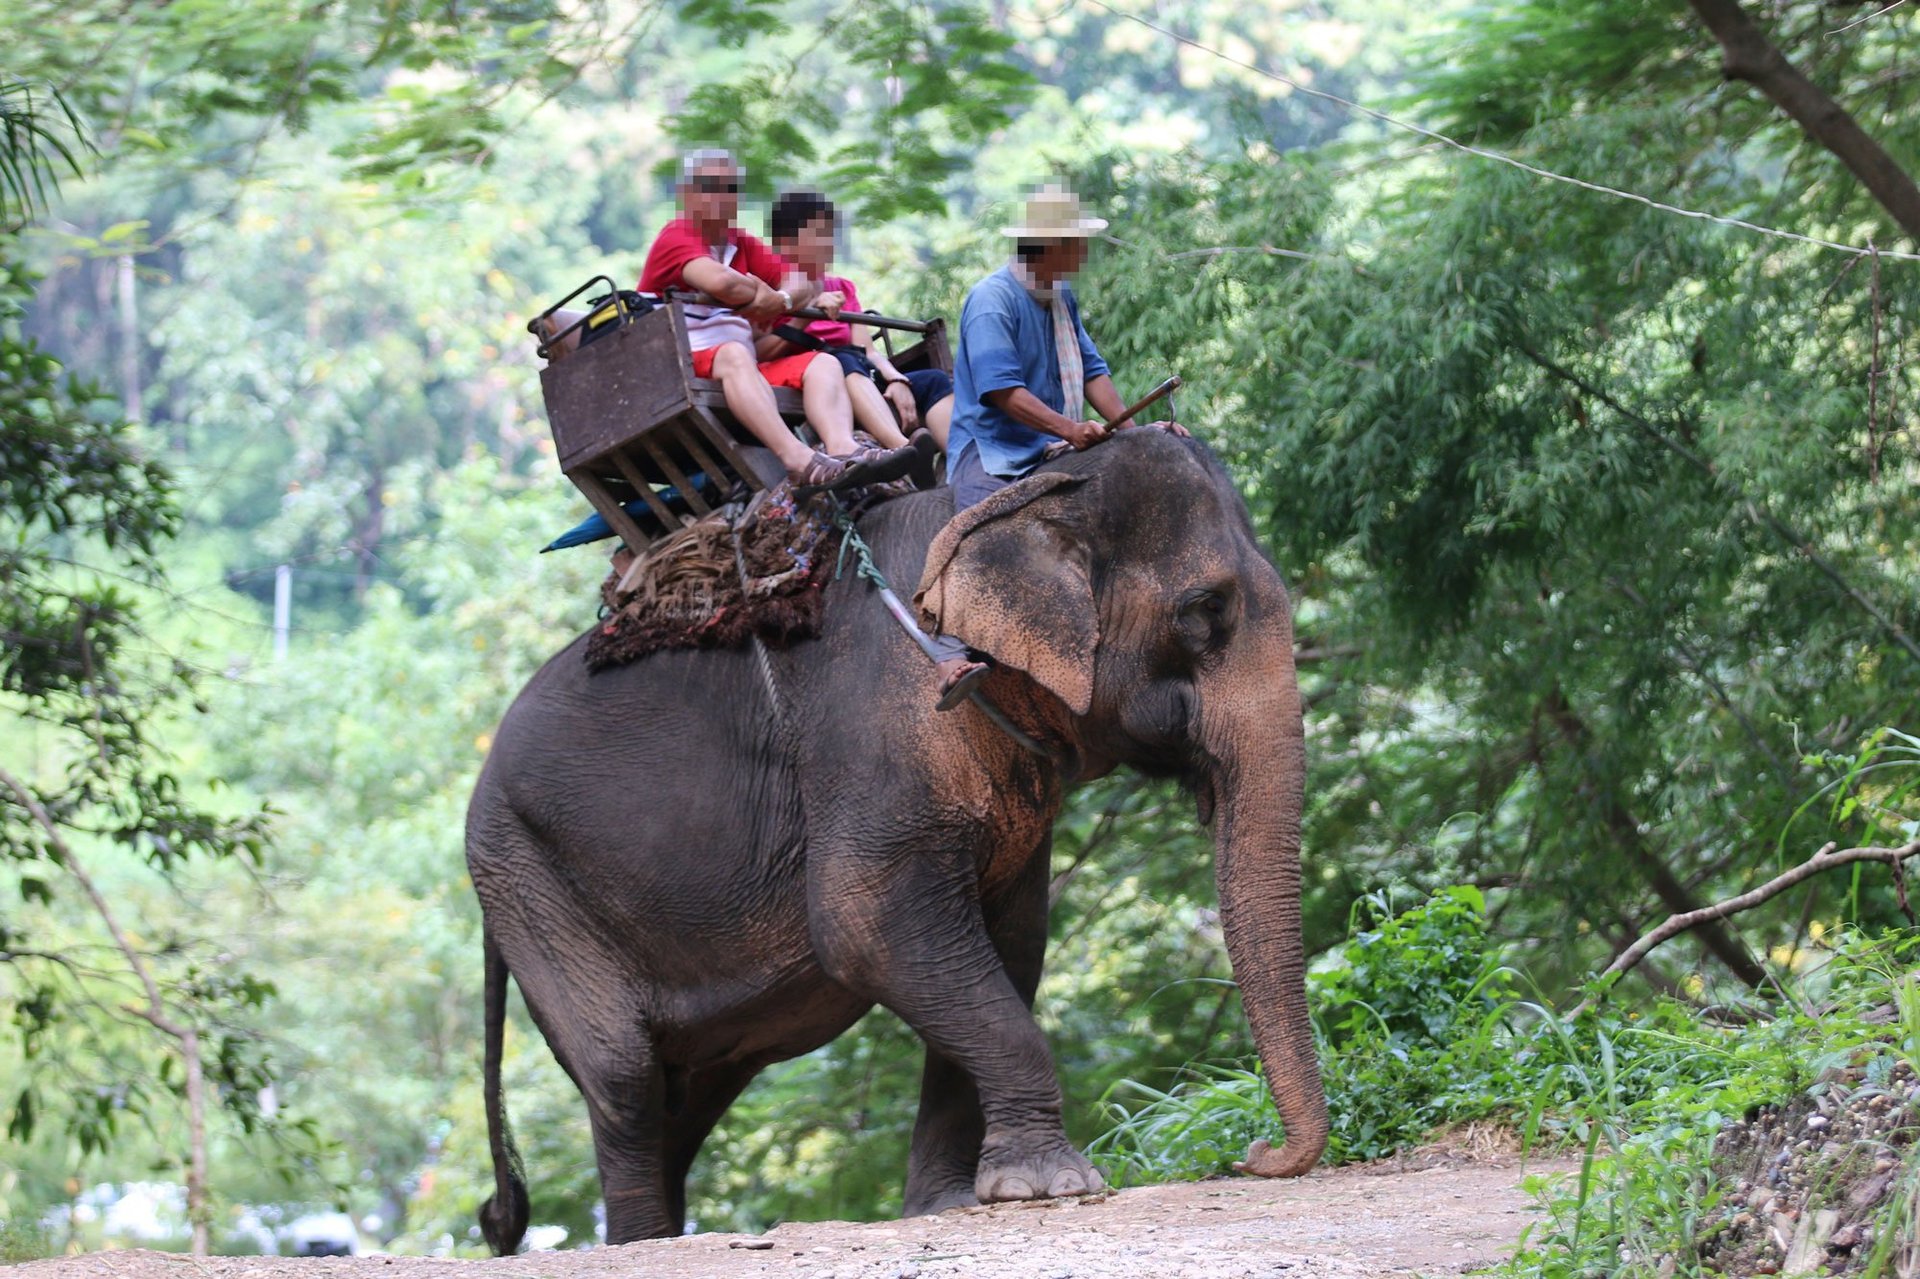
x=803, y=225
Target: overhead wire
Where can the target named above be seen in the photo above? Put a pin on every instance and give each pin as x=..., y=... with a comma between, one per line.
x=1500, y=157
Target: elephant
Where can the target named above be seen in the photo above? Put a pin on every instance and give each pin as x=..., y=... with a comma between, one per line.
x=709, y=861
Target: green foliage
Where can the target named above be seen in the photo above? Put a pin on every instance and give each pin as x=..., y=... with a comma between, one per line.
x=1415, y=1020
x=23, y=1241
x=1420, y=1028
x=1649, y=1103
x=926, y=84
x=32, y=148
x=86, y=779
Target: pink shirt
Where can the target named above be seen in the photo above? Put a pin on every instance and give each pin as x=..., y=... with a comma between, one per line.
x=836, y=332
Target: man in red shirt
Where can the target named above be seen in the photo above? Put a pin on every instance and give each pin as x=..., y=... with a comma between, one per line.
x=702, y=250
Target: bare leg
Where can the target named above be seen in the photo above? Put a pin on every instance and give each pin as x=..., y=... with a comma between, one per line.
x=938, y=418
x=751, y=400
x=824, y=392
x=872, y=412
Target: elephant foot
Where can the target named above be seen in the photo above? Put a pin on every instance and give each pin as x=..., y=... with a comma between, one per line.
x=1051, y=1173
x=938, y=1201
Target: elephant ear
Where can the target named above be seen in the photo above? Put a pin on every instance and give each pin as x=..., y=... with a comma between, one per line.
x=1009, y=577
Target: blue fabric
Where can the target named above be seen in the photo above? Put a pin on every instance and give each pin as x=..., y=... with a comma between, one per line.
x=969, y=483
x=596, y=529
x=1006, y=340
x=929, y=387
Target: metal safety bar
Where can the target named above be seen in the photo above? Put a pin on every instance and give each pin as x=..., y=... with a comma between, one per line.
x=810, y=313
x=548, y=343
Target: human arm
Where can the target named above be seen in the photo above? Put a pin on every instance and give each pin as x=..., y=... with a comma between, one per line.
x=771, y=346
x=1106, y=401
x=894, y=385
x=1026, y=408
x=989, y=341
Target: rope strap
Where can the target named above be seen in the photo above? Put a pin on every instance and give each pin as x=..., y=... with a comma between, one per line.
x=937, y=647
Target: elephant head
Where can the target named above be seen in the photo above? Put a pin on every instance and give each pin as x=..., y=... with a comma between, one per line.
x=1127, y=583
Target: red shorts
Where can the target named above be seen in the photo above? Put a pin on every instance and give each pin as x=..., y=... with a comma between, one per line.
x=785, y=371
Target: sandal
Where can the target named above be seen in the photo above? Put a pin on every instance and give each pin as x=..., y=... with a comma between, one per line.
x=871, y=465
x=926, y=451
x=960, y=678
x=820, y=471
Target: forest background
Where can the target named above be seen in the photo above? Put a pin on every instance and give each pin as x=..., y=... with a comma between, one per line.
x=1601, y=518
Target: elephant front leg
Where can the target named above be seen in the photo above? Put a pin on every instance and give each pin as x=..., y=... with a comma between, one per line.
x=913, y=936
x=949, y=1130
x=947, y=1135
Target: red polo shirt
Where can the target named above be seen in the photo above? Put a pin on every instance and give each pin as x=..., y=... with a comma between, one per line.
x=679, y=243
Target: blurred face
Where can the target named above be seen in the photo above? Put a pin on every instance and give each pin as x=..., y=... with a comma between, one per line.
x=1060, y=259
x=811, y=248
x=711, y=197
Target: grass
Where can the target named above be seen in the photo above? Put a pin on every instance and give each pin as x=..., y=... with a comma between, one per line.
x=1421, y=1027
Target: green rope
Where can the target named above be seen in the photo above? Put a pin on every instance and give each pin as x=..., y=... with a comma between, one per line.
x=851, y=540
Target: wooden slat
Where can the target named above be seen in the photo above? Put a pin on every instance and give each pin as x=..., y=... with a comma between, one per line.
x=687, y=436
x=631, y=473
x=675, y=476
x=610, y=511
x=718, y=436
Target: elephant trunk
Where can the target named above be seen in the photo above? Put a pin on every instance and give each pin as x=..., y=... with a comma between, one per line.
x=1258, y=786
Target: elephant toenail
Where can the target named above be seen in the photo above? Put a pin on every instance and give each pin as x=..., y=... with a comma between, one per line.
x=1016, y=1188
x=1068, y=1182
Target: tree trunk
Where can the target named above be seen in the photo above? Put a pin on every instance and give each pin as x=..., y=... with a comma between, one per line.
x=131, y=343
x=1747, y=54
x=1720, y=940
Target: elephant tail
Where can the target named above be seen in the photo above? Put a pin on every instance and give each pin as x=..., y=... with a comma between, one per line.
x=503, y=1217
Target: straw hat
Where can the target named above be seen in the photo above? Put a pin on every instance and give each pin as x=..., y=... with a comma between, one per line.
x=1054, y=213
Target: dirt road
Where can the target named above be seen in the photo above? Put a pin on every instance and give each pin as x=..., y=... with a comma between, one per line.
x=1345, y=1223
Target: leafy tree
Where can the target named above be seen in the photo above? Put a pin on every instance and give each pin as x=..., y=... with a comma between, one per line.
x=1602, y=516
x=85, y=774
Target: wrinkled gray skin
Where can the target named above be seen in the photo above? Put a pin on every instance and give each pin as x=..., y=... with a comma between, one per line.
x=690, y=885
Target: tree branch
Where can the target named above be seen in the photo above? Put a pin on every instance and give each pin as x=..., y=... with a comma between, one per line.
x=1720, y=941
x=1824, y=860
x=154, y=1012
x=1747, y=54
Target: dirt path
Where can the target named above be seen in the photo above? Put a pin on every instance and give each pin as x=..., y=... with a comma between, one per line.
x=1346, y=1223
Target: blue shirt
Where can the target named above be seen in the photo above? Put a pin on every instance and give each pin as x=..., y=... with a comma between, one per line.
x=1006, y=340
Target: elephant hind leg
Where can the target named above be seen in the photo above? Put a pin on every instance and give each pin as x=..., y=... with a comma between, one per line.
x=591, y=1008
x=624, y=1108
x=707, y=1095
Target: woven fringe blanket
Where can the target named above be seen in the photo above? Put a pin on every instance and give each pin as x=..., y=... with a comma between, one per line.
x=745, y=570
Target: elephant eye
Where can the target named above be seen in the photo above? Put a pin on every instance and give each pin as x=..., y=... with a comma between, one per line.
x=1205, y=616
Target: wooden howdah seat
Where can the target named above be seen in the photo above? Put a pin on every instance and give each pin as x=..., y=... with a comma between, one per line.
x=631, y=423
